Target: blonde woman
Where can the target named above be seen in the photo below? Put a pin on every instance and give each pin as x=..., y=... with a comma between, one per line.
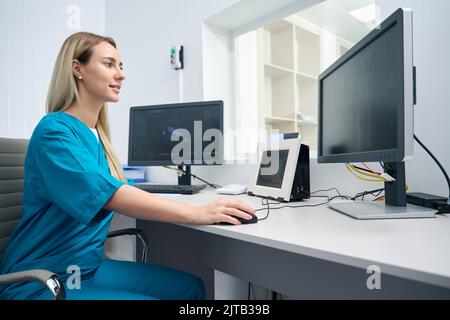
x=74, y=183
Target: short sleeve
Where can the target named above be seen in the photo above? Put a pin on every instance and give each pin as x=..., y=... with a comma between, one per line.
x=72, y=177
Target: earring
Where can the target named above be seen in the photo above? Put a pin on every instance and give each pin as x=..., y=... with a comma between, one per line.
x=79, y=77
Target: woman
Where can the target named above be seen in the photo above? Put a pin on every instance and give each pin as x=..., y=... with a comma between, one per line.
x=74, y=182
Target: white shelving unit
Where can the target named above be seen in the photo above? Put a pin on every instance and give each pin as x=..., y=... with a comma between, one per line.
x=290, y=59
x=288, y=56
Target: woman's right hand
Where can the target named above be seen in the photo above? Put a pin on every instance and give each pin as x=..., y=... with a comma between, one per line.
x=223, y=210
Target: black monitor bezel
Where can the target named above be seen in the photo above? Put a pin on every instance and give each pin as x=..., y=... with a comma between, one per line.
x=386, y=155
x=131, y=162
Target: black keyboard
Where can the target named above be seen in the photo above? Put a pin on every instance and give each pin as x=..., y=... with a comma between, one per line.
x=170, y=188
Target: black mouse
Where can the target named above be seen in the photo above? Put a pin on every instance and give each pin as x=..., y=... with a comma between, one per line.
x=254, y=219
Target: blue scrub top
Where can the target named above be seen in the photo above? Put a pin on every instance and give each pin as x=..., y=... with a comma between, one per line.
x=67, y=183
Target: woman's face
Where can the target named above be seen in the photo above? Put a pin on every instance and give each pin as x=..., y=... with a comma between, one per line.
x=102, y=76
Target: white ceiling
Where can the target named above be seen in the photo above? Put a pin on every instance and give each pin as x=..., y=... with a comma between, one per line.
x=248, y=11
x=333, y=16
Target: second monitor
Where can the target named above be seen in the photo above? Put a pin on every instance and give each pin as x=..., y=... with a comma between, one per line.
x=181, y=134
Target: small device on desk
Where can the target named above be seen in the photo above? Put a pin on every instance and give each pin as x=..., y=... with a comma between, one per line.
x=170, y=188
x=232, y=189
x=282, y=172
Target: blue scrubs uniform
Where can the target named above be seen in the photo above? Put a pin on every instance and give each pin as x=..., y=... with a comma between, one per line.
x=67, y=184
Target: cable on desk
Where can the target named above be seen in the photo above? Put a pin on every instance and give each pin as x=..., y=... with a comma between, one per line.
x=299, y=206
x=372, y=192
x=375, y=193
x=268, y=209
x=267, y=198
x=213, y=185
x=324, y=190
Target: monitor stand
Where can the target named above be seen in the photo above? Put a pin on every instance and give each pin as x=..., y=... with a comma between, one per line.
x=394, y=207
x=185, y=178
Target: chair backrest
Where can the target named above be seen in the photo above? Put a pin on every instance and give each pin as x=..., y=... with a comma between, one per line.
x=12, y=158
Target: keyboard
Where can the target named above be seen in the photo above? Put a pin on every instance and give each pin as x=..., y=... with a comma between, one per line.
x=170, y=188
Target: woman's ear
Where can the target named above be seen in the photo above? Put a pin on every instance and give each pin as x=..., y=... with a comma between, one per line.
x=76, y=69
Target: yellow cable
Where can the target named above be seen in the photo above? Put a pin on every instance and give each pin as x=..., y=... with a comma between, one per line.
x=373, y=171
x=366, y=173
x=377, y=178
x=350, y=167
x=361, y=178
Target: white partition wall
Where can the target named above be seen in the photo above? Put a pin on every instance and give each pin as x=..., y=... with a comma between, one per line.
x=31, y=34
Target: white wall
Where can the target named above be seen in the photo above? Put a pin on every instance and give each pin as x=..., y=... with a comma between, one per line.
x=150, y=80
x=431, y=29
x=31, y=34
x=431, y=21
x=145, y=31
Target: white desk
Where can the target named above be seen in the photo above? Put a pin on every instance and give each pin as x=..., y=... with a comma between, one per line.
x=313, y=252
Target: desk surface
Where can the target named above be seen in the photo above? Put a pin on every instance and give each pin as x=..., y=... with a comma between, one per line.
x=415, y=249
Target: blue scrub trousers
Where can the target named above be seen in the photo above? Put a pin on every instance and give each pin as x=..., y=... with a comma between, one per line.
x=124, y=280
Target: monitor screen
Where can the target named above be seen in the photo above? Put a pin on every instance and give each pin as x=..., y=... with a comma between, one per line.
x=272, y=168
x=362, y=99
x=176, y=134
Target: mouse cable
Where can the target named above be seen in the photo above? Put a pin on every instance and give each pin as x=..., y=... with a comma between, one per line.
x=267, y=208
x=213, y=185
x=267, y=198
x=437, y=162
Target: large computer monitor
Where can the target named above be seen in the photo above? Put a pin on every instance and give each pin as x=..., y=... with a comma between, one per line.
x=365, y=111
x=182, y=134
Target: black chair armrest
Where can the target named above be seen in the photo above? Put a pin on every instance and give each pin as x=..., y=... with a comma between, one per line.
x=46, y=278
x=135, y=232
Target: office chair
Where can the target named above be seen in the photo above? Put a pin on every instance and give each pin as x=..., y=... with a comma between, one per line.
x=12, y=157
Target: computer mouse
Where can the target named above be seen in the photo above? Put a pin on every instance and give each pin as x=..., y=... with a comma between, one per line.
x=254, y=219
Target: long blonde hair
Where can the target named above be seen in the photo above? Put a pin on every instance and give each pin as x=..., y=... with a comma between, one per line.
x=63, y=90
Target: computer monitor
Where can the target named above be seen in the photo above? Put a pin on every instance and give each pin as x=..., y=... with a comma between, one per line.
x=365, y=111
x=182, y=134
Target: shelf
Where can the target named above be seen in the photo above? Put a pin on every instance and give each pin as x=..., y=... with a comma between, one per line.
x=301, y=75
x=279, y=96
x=278, y=44
x=278, y=119
x=291, y=59
x=304, y=123
x=308, y=51
x=272, y=70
